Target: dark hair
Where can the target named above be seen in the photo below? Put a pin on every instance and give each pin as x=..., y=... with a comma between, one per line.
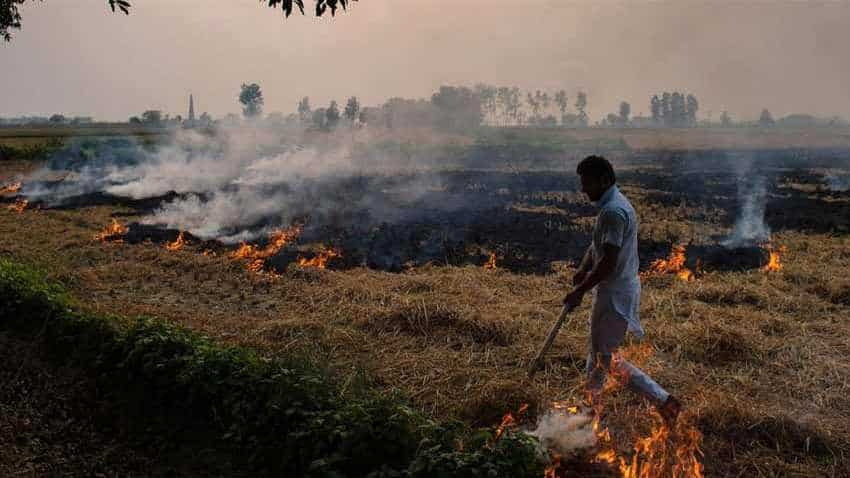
x=596, y=166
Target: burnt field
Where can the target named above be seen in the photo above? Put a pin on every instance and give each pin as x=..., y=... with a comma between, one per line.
x=440, y=277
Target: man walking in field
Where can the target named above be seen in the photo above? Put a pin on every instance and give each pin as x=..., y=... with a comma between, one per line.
x=610, y=269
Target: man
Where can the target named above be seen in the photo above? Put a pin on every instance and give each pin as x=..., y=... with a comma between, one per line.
x=610, y=269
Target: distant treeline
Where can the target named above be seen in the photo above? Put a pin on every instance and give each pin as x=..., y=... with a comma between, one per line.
x=461, y=108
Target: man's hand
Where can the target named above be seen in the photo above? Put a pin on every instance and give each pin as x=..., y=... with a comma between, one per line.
x=573, y=299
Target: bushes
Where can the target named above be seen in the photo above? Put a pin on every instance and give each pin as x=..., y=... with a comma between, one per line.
x=284, y=417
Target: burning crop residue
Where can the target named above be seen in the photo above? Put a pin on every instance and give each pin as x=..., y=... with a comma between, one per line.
x=320, y=261
x=509, y=420
x=177, y=244
x=567, y=431
x=490, y=265
x=256, y=258
x=774, y=263
x=19, y=206
x=113, y=232
x=674, y=264
x=575, y=436
x=11, y=188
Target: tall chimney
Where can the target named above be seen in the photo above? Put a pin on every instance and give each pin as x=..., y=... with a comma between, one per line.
x=191, y=108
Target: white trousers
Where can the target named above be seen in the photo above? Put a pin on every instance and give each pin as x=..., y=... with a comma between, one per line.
x=606, y=336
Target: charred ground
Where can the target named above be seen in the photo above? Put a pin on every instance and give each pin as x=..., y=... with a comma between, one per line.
x=759, y=358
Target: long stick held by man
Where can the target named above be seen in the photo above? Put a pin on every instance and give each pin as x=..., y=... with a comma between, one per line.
x=610, y=269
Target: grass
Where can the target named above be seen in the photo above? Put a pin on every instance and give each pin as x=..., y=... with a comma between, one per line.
x=285, y=417
x=759, y=359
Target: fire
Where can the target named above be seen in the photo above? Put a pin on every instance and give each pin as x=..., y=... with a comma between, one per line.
x=11, y=188
x=674, y=264
x=177, y=244
x=112, y=232
x=256, y=257
x=321, y=260
x=19, y=206
x=664, y=452
x=508, y=420
x=773, y=263
x=491, y=262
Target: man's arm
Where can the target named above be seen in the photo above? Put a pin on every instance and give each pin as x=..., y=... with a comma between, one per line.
x=601, y=269
x=613, y=224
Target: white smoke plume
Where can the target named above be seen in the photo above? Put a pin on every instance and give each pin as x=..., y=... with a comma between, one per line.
x=563, y=432
x=750, y=226
x=240, y=183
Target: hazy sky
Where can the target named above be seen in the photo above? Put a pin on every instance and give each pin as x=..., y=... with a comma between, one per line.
x=75, y=57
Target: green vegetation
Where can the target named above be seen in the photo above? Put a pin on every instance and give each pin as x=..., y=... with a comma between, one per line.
x=283, y=416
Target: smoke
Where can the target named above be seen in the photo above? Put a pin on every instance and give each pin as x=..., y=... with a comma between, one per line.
x=563, y=432
x=240, y=183
x=752, y=199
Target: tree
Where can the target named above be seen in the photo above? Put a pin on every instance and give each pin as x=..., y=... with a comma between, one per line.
x=561, y=101
x=57, y=119
x=320, y=120
x=352, y=108
x=691, y=107
x=458, y=107
x=625, y=111
x=252, y=100
x=581, y=104
x=655, y=107
x=152, y=117
x=666, y=109
x=10, y=15
x=677, y=109
x=332, y=115
x=766, y=119
x=304, y=108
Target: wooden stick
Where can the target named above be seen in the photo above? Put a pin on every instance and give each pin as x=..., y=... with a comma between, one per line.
x=537, y=363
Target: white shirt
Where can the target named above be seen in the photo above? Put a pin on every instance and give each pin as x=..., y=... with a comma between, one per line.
x=618, y=295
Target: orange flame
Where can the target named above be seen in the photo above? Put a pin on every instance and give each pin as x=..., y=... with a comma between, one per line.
x=19, y=206
x=773, y=263
x=508, y=420
x=11, y=188
x=552, y=470
x=674, y=264
x=491, y=262
x=321, y=260
x=177, y=244
x=111, y=232
x=663, y=452
x=256, y=258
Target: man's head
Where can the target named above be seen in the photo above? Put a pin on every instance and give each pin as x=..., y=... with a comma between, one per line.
x=597, y=175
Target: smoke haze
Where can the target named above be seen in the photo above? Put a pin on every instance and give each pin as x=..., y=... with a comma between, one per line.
x=736, y=56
